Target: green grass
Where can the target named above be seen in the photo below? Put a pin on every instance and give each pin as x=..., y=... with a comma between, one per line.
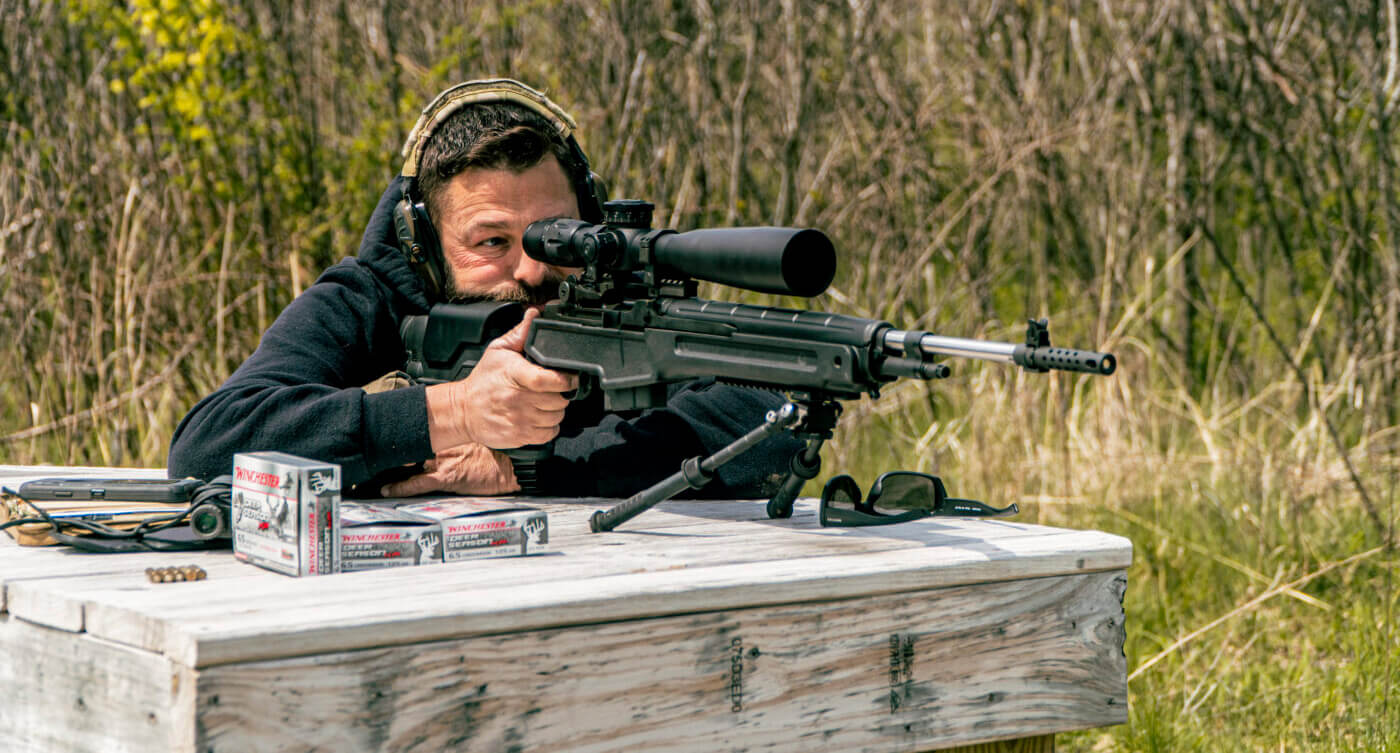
x=1316, y=668
x=1225, y=511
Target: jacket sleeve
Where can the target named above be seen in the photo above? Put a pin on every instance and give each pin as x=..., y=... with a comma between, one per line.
x=300, y=392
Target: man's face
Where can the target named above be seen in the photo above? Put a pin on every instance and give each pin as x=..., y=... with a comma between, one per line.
x=482, y=218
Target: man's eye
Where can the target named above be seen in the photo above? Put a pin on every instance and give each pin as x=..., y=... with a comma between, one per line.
x=495, y=245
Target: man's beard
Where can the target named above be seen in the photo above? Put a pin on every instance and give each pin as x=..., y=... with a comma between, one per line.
x=529, y=295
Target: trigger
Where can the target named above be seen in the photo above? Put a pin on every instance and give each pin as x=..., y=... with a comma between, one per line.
x=586, y=385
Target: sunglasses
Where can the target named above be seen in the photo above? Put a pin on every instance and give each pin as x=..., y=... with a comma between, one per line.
x=897, y=497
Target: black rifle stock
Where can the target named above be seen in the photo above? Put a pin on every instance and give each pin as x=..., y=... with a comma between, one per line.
x=631, y=325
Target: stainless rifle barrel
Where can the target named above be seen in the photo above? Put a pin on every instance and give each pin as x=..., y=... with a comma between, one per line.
x=961, y=347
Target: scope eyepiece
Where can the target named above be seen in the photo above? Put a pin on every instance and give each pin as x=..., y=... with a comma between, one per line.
x=565, y=242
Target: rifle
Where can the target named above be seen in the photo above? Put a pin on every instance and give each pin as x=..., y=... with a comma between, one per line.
x=631, y=326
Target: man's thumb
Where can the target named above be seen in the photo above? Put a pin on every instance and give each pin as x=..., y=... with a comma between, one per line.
x=515, y=339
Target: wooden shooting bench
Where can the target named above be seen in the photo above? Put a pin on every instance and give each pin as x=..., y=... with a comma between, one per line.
x=698, y=626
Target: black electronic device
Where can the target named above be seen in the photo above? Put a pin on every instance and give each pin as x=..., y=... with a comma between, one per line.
x=172, y=491
x=128, y=515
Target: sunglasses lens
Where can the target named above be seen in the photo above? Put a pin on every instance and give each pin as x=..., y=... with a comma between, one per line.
x=896, y=497
x=900, y=491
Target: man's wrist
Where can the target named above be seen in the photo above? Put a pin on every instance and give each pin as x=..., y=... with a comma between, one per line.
x=445, y=427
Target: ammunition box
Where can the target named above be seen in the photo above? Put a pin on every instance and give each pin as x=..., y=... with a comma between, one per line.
x=375, y=536
x=286, y=513
x=480, y=528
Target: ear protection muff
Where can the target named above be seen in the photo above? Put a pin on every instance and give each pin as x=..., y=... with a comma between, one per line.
x=419, y=243
x=417, y=238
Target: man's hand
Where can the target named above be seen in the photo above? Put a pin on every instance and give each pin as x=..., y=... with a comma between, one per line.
x=505, y=402
x=464, y=469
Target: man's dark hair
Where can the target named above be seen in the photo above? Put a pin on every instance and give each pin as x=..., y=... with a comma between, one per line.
x=498, y=135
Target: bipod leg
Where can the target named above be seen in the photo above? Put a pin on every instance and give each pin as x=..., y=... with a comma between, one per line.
x=815, y=428
x=806, y=464
x=694, y=473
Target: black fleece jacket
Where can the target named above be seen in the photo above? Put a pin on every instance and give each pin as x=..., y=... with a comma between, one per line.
x=300, y=392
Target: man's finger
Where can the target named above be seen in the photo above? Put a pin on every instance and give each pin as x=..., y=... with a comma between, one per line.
x=412, y=486
x=539, y=379
x=550, y=401
x=542, y=418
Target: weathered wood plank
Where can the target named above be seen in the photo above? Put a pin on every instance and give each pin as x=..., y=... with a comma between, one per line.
x=1039, y=744
x=64, y=602
x=406, y=610
x=904, y=672
x=69, y=584
x=41, y=609
x=803, y=560
x=59, y=564
x=72, y=692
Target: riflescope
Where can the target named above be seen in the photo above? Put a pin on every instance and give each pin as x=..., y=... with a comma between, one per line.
x=781, y=260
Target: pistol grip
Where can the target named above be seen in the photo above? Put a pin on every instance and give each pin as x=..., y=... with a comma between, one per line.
x=525, y=461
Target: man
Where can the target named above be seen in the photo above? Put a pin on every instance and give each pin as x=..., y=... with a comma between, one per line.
x=485, y=160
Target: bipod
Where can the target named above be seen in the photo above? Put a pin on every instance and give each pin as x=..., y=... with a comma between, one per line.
x=819, y=417
x=695, y=472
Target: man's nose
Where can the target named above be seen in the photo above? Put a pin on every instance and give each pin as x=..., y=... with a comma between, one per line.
x=530, y=272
